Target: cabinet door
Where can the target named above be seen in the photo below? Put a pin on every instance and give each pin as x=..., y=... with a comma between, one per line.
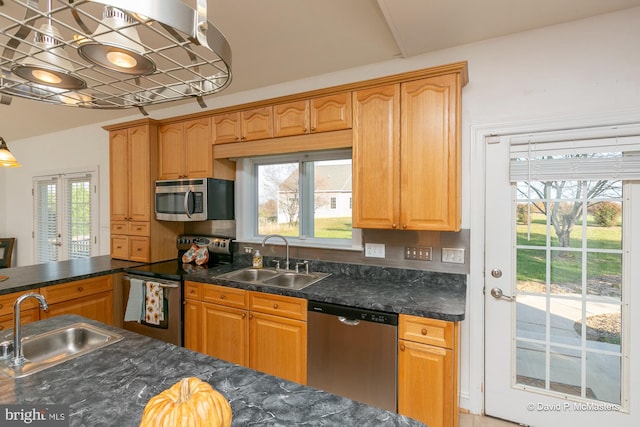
x=139, y=248
x=192, y=318
x=430, y=153
x=171, y=151
x=257, y=124
x=139, y=184
x=376, y=157
x=278, y=346
x=425, y=384
x=198, y=152
x=97, y=307
x=119, y=174
x=119, y=247
x=225, y=333
x=227, y=128
x=291, y=118
x=332, y=112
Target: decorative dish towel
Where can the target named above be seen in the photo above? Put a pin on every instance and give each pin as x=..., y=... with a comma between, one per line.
x=135, y=307
x=154, y=303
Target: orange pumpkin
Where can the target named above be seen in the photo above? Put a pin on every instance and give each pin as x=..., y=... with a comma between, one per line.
x=188, y=403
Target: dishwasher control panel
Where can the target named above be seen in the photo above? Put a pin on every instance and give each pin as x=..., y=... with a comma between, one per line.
x=352, y=313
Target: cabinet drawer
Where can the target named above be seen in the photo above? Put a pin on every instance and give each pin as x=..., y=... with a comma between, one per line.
x=293, y=308
x=139, y=249
x=192, y=290
x=231, y=297
x=139, y=228
x=119, y=247
x=428, y=331
x=7, y=300
x=77, y=289
x=119, y=227
x=26, y=316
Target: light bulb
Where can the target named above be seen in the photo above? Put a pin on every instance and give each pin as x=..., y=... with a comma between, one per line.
x=121, y=59
x=46, y=76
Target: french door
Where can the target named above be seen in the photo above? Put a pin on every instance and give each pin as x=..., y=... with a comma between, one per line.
x=65, y=216
x=559, y=261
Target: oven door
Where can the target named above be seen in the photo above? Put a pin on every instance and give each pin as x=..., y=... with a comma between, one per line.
x=169, y=329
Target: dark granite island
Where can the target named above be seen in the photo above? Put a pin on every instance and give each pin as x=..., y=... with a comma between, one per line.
x=111, y=386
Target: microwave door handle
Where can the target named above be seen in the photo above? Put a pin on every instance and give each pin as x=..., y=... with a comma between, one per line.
x=186, y=203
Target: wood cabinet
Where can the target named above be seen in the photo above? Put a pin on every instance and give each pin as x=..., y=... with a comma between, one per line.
x=133, y=167
x=185, y=149
x=91, y=298
x=322, y=114
x=407, y=142
x=427, y=370
x=261, y=331
x=28, y=310
x=248, y=125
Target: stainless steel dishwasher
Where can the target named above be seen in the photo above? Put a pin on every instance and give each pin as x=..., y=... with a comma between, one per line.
x=353, y=353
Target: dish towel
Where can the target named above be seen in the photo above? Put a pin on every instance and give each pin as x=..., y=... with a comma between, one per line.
x=133, y=312
x=154, y=303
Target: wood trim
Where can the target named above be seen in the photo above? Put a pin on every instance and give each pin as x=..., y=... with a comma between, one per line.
x=132, y=123
x=289, y=144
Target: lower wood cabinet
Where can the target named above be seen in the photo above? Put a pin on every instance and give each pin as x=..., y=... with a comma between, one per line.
x=91, y=298
x=427, y=370
x=28, y=310
x=261, y=331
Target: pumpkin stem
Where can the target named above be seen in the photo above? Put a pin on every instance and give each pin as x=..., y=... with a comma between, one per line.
x=185, y=391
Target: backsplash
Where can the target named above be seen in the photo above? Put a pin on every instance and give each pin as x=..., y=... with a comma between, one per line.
x=395, y=243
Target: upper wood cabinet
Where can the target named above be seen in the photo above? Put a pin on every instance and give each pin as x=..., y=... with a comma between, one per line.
x=407, y=142
x=322, y=114
x=185, y=149
x=246, y=125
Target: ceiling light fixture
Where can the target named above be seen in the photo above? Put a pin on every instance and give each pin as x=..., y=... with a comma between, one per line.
x=110, y=54
x=6, y=158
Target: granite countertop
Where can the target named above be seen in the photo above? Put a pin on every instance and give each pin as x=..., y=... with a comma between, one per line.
x=111, y=386
x=51, y=273
x=417, y=292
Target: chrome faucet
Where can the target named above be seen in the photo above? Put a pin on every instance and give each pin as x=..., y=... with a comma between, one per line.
x=18, y=359
x=286, y=242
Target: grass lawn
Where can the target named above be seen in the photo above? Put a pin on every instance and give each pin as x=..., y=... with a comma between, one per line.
x=324, y=228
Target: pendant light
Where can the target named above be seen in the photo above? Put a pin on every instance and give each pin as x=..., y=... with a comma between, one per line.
x=116, y=45
x=6, y=158
x=48, y=63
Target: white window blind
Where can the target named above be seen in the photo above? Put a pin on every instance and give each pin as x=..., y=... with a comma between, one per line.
x=610, y=153
x=65, y=216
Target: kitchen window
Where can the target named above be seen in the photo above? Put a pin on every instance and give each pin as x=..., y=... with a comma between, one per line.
x=65, y=216
x=303, y=196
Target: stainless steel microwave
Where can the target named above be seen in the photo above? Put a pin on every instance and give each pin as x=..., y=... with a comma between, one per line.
x=199, y=199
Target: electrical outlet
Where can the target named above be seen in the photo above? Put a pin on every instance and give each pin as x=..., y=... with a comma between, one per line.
x=248, y=250
x=453, y=255
x=374, y=250
x=421, y=253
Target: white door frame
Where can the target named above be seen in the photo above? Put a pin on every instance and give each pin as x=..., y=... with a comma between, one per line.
x=476, y=298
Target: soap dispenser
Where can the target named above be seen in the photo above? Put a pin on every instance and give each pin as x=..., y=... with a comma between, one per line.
x=257, y=259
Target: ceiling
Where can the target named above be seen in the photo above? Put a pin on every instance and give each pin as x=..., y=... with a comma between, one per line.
x=282, y=40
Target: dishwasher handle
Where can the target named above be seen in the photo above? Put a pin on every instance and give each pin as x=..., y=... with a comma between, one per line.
x=348, y=322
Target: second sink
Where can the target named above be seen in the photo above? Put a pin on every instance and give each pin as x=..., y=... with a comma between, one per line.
x=277, y=278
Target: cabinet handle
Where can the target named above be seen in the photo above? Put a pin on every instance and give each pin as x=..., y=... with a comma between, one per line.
x=138, y=228
x=313, y=128
x=192, y=291
x=402, y=347
x=424, y=331
x=251, y=316
x=394, y=225
x=80, y=289
x=275, y=306
x=244, y=315
x=138, y=249
x=404, y=226
x=118, y=247
x=0, y=305
x=222, y=296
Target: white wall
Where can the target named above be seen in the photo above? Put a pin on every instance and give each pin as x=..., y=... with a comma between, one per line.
x=582, y=68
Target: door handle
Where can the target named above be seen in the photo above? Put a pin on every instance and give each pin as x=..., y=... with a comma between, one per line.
x=498, y=294
x=186, y=203
x=348, y=322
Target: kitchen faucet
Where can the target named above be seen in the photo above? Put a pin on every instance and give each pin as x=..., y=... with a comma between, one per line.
x=286, y=242
x=18, y=359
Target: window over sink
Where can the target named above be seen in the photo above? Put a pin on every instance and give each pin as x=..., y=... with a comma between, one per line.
x=305, y=197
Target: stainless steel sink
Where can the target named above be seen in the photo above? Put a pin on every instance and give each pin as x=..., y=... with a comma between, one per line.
x=276, y=278
x=54, y=347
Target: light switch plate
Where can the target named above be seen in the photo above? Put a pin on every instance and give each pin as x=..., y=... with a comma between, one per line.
x=374, y=250
x=453, y=255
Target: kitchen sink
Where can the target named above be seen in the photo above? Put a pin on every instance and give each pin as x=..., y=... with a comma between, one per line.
x=51, y=348
x=276, y=278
